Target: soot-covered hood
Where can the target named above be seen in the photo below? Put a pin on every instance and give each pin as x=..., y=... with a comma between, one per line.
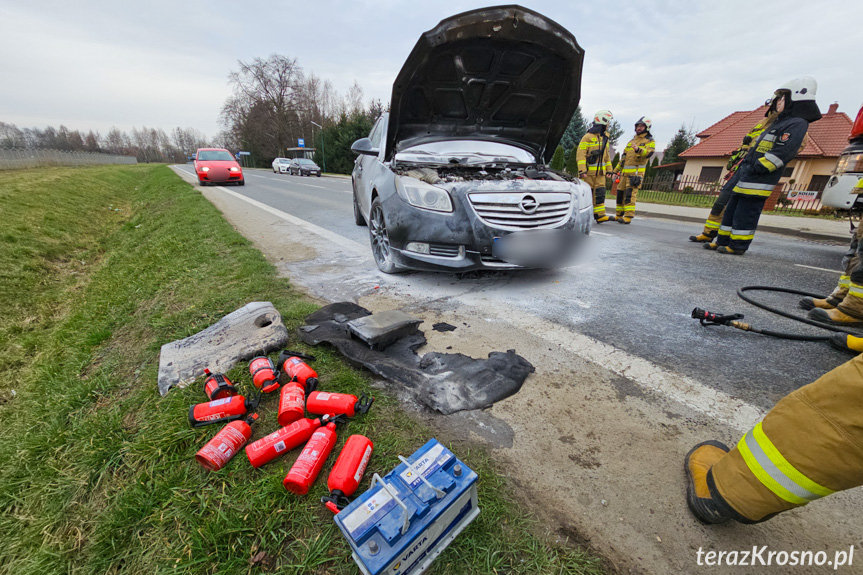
x=503, y=73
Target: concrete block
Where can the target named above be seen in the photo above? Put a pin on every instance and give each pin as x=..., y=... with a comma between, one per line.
x=383, y=328
x=239, y=336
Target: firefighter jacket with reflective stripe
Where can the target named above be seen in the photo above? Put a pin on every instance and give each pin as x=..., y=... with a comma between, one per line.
x=633, y=163
x=769, y=154
x=592, y=154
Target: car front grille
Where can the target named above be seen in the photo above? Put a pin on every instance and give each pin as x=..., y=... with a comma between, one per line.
x=521, y=210
x=495, y=262
x=444, y=250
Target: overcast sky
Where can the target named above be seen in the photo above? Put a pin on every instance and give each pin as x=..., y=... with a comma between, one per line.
x=93, y=64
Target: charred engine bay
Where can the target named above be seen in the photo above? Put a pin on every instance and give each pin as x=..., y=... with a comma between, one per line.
x=457, y=173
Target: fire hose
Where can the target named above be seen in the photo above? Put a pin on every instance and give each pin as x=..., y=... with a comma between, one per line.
x=709, y=319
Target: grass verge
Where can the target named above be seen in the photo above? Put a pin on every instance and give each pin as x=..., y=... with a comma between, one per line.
x=98, y=268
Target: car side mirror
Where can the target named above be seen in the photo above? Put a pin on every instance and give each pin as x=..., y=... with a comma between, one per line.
x=364, y=146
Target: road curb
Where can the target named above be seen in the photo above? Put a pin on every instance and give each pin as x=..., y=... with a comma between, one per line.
x=805, y=234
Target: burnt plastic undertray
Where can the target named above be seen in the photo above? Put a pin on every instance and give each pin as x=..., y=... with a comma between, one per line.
x=446, y=382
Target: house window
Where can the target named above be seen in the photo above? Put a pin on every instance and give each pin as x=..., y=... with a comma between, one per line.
x=818, y=183
x=710, y=174
x=786, y=173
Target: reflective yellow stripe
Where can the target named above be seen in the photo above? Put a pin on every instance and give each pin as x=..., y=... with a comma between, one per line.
x=599, y=208
x=785, y=467
x=845, y=281
x=629, y=208
x=752, y=191
x=855, y=290
x=767, y=164
x=711, y=225
x=739, y=237
x=764, y=477
x=724, y=232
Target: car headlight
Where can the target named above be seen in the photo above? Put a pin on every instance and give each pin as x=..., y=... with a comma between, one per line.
x=205, y=169
x=423, y=195
x=235, y=169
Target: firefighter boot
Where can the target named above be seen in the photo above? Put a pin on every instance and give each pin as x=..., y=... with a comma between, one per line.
x=833, y=316
x=697, y=464
x=812, y=303
x=605, y=218
x=702, y=238
x=624, y=220
x=710, y=246
x=727, y=250
x=847, y=342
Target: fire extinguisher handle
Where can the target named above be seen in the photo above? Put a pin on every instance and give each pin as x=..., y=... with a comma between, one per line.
x=272, y=387
x=287, y=353
x=363, y=403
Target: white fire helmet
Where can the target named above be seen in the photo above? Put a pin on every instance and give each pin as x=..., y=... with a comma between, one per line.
x=603, y=117
x=802, y=89
x=646, y=121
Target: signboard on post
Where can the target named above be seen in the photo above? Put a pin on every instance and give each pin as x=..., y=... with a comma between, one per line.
x=802, y=195
x=245, y=153
x=301, y=142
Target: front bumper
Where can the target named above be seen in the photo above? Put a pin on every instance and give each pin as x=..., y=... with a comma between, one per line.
x=459, y=241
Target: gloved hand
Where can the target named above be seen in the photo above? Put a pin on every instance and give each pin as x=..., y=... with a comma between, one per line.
x=760, y=169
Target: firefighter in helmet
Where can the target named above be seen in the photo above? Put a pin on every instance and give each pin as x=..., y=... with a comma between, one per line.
x=594, y=162
x=633, y=164
x=711, y=226
x=795, y=108
x=808, y=446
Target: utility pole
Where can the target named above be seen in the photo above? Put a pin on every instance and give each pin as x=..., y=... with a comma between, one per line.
x=323, y=147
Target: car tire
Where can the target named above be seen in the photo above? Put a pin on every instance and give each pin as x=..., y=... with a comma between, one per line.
x=358, y=215
x=380, y=240
x=319, y=175
x=202, y=183
x=241, y=182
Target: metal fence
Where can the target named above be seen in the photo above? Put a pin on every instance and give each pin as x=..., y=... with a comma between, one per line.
x=691, y=191
x=17, y=158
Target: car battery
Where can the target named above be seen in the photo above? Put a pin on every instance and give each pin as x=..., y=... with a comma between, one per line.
x=405, y=519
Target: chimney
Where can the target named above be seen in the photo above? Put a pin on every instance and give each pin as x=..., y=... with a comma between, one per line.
x=833, y=107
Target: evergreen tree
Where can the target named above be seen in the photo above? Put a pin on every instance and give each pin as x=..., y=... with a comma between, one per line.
x=615, y=161
x=572, y=162
x=682, y=141
x=575, y=130
x=614, y=132
x=557, y=159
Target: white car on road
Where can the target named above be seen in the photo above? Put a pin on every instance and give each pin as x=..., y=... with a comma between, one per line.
x=280, y=165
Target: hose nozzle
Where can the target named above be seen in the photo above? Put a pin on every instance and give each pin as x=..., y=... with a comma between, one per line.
x=709, y=318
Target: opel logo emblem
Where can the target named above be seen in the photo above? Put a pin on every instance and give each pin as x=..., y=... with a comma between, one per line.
x=528, y=204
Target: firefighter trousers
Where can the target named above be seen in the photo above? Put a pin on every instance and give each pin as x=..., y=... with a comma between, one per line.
x=714, y=220
x=597, y=184
x=808, y=446
x=626, y=195
x=847, y=296
x=739, y=221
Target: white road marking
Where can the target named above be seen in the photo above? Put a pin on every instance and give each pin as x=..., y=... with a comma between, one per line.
x=600, y=233
x=679, y=388
x=819, y=269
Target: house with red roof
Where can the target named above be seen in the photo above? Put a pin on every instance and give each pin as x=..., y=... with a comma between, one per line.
x=706, y=160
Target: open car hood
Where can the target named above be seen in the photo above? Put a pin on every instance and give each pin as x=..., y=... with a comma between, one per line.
x=503, y=73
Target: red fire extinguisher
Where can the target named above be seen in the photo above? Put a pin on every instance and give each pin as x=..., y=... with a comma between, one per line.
x=323, y=402
x=307, y=466
x=222, y=410
x=218, y=386
x=345, y=477
x=281, y=441
x=264, y=374
x=219, y=450
x=295, y=369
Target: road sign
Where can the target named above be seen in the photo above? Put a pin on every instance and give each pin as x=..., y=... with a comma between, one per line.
x=244, y=153
x=301, y=143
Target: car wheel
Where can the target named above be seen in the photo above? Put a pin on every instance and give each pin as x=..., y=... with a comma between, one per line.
x=319, y=175
x=202, y=183
x=241, y=182
x=358, y=215
x=380, y=239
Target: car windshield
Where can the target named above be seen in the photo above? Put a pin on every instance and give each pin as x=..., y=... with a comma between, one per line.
x=284, y=161
x=466, y=152
x=306, y=162
x=215, y=156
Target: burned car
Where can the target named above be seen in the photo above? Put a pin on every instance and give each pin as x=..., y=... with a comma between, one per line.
x=454, y=177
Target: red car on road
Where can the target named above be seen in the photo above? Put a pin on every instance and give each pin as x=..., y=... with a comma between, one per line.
x=217, y=166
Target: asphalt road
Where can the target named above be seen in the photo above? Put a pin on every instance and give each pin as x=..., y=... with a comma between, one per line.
x=635, y=290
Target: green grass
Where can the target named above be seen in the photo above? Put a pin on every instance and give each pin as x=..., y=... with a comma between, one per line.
x=98, y=268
